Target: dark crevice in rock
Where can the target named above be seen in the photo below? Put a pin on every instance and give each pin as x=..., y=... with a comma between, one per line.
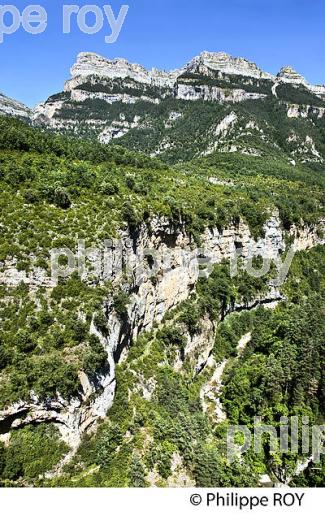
x=6, y=424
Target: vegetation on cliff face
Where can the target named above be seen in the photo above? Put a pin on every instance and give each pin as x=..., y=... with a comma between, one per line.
x=187, y=121
x=33, y=450
x=158, y=412
x=45, y=340
x=55, y=190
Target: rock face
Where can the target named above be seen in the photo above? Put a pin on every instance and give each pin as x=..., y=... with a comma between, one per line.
x=224, y=63
x=13, y=108
x=89, y=64
x=72, y=417
x=207, y=93
x=289, y=75
x=304, y=111
x=178, y=266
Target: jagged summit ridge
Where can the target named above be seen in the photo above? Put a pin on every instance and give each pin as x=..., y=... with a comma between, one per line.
x=90, y=64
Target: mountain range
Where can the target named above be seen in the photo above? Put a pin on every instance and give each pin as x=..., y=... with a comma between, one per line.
x=213, y=103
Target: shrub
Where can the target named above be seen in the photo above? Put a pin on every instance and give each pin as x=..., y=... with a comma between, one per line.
x=120, y=302
x=24, y=341
x=33, y=451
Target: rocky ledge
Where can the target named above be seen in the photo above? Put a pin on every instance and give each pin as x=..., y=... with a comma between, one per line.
x=207, y=63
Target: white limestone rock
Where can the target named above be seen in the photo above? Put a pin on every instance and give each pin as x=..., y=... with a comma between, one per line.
x=90, y=64
x=223, y=62
x=304, y=111
x=289, y=75
x=13, y=108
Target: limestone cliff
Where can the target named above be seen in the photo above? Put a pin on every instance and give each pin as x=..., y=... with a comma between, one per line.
x=178, y=265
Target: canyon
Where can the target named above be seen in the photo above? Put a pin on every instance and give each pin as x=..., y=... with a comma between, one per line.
x=179, y=266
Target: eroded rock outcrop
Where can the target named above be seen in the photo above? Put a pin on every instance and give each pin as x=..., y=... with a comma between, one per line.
x=289, y=75
x=91, y=64
x=226, y=64
x=13, y=108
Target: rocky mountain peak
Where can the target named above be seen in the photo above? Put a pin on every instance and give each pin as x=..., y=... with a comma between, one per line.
x=90, y=64
x=290, y=75
x=223, y=62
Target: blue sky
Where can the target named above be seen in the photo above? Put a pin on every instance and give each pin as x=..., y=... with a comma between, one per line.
x=166, y=34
